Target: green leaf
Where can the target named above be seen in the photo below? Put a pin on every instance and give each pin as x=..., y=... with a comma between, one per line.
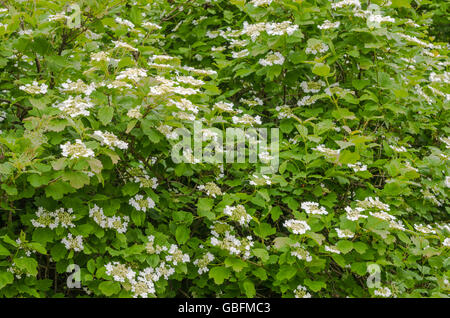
x=182, y=234
x=5, y=278
x=261, y=253
x=27, y=264
x=315, y=286
x=321, y=69
x=264, y=229
x=219, y=274
x=109, y=288
x=4, y=251
x=105, y=114
x=286, y=272
x=344, y=246
x=204, y=206
x=236, y=263
x=249, y=288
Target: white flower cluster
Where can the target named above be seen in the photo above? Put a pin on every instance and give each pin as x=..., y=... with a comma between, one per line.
x=296, y=226
x=34, y=88
x=222, y=238
x=327, y=151
x=271, y=28
x=135, y=112
x=346, y=3
x=372, y=203
x=383, y=292
x=59, y=217
x=344, y=233
x=425, y=229
x=176, y=255
x=190, y=80
x=238, y=214
x=316, y=46
x=116, y=222
x=358, y=166
x=260, y=180
x=211, y=189
x=301, y=292
x=307, y=100
x=354, y=214
x=332, y=249
x=272, y=59
x=124, y=45
x=226, y=107
x=151, y=248
x=73, y=243
x=142, y=204
x=133, y=74
x=313, y=208
x=2, y=115
x=167, y=131
x=184, y=104
x=203, y=262
x=329, y=25
x=101, y=57
x=259, y=3
x=75, y=106
x=76, y=150
x=77, y=87
x=110, y=140
x=298, y=251
x=312, y=86
x=240, y=54
x=377, y=18
x=139, y=175
x=124, y=22
x=247, y=120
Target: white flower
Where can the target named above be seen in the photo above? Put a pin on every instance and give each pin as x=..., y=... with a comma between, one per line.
x=296, y=226
x=301, y=292
x=75, y=106
x=354, y=214
x=141, y=204
x=34, y=88
x=313, y=208
x=132, y=73
x=240, y=54
x=357, y=167
x=272, y=59
x=344, y=233
x=247, y=120
x=345, y=3
x=312, y=86
x=76, y=150
x=75, y=243
x=124, y=45
x=446, y=242
x=110, y=140
x=77, y=87
x=329, y=25
x=259, y=3
x=383, y=292
x=332, y=249
x=426, y=229
x=238, y=214
x=135, y=113
x=124, y=22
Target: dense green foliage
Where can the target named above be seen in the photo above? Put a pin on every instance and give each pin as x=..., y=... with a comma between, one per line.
x=357, y=208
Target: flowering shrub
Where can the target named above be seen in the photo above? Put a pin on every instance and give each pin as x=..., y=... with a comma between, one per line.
x=92, y=98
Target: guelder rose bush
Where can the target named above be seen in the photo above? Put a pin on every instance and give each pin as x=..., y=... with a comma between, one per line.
x=91, y=99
